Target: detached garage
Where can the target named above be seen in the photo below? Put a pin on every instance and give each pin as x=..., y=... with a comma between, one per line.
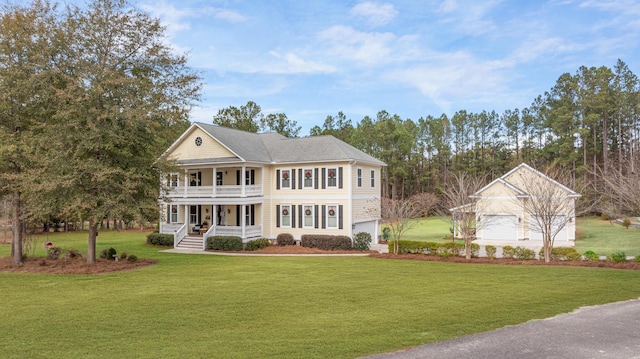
x=559, y=221
x=499, y=227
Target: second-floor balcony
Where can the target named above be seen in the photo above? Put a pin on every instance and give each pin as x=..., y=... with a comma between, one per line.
x=219, y=191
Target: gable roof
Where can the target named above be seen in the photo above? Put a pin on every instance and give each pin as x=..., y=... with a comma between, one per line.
x=273, y=147
x=504, y=179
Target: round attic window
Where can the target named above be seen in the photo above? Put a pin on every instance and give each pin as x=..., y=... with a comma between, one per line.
x=198, y=141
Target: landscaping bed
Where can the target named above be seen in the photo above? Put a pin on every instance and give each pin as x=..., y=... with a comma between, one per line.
x=71, y=265
x=504, y=261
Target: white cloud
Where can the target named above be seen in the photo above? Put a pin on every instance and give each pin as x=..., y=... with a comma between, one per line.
x=377, y=14
x=361, y=47
x=294, y=64
x=447, y=78
x=472, y=18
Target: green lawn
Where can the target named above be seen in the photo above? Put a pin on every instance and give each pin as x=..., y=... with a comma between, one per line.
x=602, y=237
x=196, y=306
x=605, y=237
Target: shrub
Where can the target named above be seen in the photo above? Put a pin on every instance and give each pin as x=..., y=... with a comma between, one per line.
x=124, y=255
x=386, y=234
x=475, y=250
x=362, y=241
x=626, y=223
x=562, y=254
x=159, y=239
x=618, y=257
x=449, y=249
x=591, y=256
x=109, y=254
x=224, y=243
x=326, y=242
x=256, y=244
x=132, y=258
x=72, y=254
x=637, y=258
x=491, y=251
x=285, y=239
x=508, y=252
x=604, y=216
x=54, y=252
x=431, y=248
x=524, y=254
x=409, y=247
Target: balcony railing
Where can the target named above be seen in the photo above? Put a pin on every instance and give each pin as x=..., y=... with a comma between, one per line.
x=217, y=191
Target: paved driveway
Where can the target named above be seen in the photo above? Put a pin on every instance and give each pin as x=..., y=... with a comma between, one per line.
x=606, y=331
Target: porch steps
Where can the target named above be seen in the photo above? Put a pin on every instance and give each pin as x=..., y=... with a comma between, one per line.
x=189, y=242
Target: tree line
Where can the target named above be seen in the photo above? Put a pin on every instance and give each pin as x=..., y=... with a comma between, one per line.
x=585, y=125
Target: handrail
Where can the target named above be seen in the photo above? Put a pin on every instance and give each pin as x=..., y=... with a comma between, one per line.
x=179, y=234
x=206, y=234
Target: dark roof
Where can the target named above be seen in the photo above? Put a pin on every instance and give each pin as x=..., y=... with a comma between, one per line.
x=273, y=147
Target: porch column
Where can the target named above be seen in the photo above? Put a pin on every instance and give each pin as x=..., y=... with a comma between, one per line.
x=186, y=184
x=186, y=216
x=215, y=181
x=214, y=219
x=243, y=218
x=243, y=181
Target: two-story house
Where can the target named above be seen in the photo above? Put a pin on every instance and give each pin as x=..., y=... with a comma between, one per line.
x=253, y=185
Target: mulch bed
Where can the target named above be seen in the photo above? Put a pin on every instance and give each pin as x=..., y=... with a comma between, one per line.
x=71, y=265
x=501, y=261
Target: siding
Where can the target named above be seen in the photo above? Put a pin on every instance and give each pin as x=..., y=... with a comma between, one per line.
x=210, y=148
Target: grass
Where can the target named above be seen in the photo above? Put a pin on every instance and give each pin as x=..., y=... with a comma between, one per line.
x=605, y=237
x=194, y=306
x=602, y=237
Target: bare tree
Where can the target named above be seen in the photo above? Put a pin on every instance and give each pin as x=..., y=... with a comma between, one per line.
x=426, y=203
x=548, y=204
x=397, y=215
x=462, y=205
x=623, y=190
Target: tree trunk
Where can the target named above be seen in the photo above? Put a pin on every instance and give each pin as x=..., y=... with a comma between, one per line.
x=547, y=249
x=91, y=243
x=16, y=225
x=467, y=248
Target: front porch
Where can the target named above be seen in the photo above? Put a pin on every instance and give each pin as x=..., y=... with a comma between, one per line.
x=200, y=221
x=215, y=182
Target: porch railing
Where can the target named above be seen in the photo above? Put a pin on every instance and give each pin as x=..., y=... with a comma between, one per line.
x=179, y=235
x=249, y=231
x=209, y=192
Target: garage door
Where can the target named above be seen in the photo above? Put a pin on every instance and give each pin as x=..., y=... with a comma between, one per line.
x=368, y=227
x=503, y=228
x=536, y=233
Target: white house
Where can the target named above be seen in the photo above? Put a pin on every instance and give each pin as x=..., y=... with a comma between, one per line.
x=252, y=185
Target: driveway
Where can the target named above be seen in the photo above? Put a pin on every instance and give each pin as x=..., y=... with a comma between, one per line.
x=605, y=331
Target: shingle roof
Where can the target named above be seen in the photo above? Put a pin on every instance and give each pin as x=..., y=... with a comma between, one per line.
x=273, y=147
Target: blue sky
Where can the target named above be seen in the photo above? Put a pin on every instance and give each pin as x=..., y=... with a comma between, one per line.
x=310, y=58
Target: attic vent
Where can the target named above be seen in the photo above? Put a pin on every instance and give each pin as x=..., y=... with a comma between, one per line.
x=198, y=141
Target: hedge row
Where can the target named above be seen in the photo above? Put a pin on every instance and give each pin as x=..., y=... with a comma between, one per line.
x=159, y=239
x=224, y=243
x=326, y=242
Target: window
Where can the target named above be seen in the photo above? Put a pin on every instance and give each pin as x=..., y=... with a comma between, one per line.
x=332, y=216
x=285, y=179
x=249, y=177
x=307, y=174
x=173, y=180
x=218, y=178
x=307, y=216
x=194, y=217
x=285, y=215
x=332, y=177
x=173, y=213
x=359, y=177
x=373, y=178
x=194, y=178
